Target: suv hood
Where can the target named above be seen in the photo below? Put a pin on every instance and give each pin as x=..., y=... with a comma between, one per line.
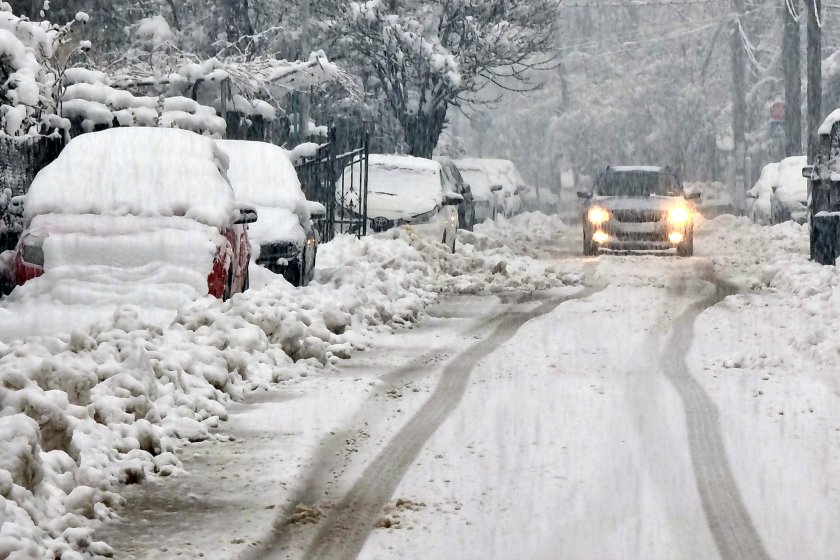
x=637, y=202
x=402, y=206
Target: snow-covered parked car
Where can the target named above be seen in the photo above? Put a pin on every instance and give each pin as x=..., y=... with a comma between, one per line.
x=780, y=194
x=284, y=239
x=127, y=204
x=638, y=208
x=487, y=195
x=503, y=172
x=412, y=191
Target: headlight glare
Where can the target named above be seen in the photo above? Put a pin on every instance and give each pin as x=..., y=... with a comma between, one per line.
x=679, y=216
x=598, y=215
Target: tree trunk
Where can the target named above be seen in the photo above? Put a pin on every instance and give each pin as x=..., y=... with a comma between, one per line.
x=739, y=108
x=238, y=22
x=422, y=131
x=814, y=75
x=793, y=83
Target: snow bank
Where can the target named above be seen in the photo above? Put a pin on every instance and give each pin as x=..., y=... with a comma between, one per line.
x=775, y=259
x=111, y=404
x=138, y=171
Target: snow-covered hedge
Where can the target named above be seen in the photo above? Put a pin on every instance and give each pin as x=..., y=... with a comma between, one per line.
x=81, y=414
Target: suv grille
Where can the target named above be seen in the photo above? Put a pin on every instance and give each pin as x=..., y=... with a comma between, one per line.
x=638, y=216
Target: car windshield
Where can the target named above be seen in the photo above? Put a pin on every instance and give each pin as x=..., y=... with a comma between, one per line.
x=637, y=183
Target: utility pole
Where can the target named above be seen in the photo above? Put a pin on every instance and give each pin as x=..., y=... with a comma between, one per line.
x=739, y=107
x=814, y=7
x=793, y=79
x=306, y=50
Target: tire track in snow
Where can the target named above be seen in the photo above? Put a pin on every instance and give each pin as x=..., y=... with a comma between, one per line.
x=348, y=525
x=729, y=521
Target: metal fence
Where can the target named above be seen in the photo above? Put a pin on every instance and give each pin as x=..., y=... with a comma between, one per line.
x=339, y=182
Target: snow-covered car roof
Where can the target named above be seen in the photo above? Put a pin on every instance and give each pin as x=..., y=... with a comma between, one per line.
x=476, y=175
x=503, y=172
x=636, y=168
x=136, y=171
x=263, y=176
x=402, y=186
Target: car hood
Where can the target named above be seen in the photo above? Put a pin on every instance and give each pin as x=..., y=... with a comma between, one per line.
x=637, y=202
x=401, y=206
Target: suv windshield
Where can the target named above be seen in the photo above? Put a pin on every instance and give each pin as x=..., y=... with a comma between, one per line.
x=637, y=183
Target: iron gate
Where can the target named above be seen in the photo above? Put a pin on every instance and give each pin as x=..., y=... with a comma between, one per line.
x=339, y=182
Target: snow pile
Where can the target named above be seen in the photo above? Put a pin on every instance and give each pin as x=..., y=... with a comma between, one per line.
x=715, y=197
x=138, y=171
x=110, y=404
x=531, y=233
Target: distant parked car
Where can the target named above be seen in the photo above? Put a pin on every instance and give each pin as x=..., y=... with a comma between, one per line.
x=150, y=202
x=503, y=172
x=414, y=192
x=284, y=238
x=466, y=211
x=780, y=194
x=487, y=197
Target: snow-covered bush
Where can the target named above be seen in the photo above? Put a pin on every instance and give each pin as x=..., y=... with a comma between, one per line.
x=32, y=58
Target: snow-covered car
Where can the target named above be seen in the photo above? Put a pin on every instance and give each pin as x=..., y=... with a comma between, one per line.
x=137, y=202
x=638, y=208
x=488, y=202
x=284, y=239
x=503, y=172
x=411, y=191
x=466, y=211
x=780, y=194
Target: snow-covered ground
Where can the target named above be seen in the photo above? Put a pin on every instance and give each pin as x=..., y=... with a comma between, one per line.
x=109, y=397
x=610, y=407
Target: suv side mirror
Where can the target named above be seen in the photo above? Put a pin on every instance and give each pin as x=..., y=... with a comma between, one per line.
x=452, y=199
x=692, y=195
x=244, y=216
x=808, y=171
x=495, y=188
x=584, y=194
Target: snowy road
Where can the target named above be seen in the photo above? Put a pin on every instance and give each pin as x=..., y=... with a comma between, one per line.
x=594, y=422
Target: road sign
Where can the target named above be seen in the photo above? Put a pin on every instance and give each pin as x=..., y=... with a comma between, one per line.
x=777, y=112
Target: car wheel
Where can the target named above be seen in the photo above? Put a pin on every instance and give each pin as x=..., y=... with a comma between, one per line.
x=686, y=248
x=589, y=248
x=825, y=239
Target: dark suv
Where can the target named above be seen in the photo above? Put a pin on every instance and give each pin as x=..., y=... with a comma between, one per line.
x=638, y=208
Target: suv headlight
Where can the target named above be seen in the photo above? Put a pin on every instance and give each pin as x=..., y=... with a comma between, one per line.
x=597, y=215
x=679, y=216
